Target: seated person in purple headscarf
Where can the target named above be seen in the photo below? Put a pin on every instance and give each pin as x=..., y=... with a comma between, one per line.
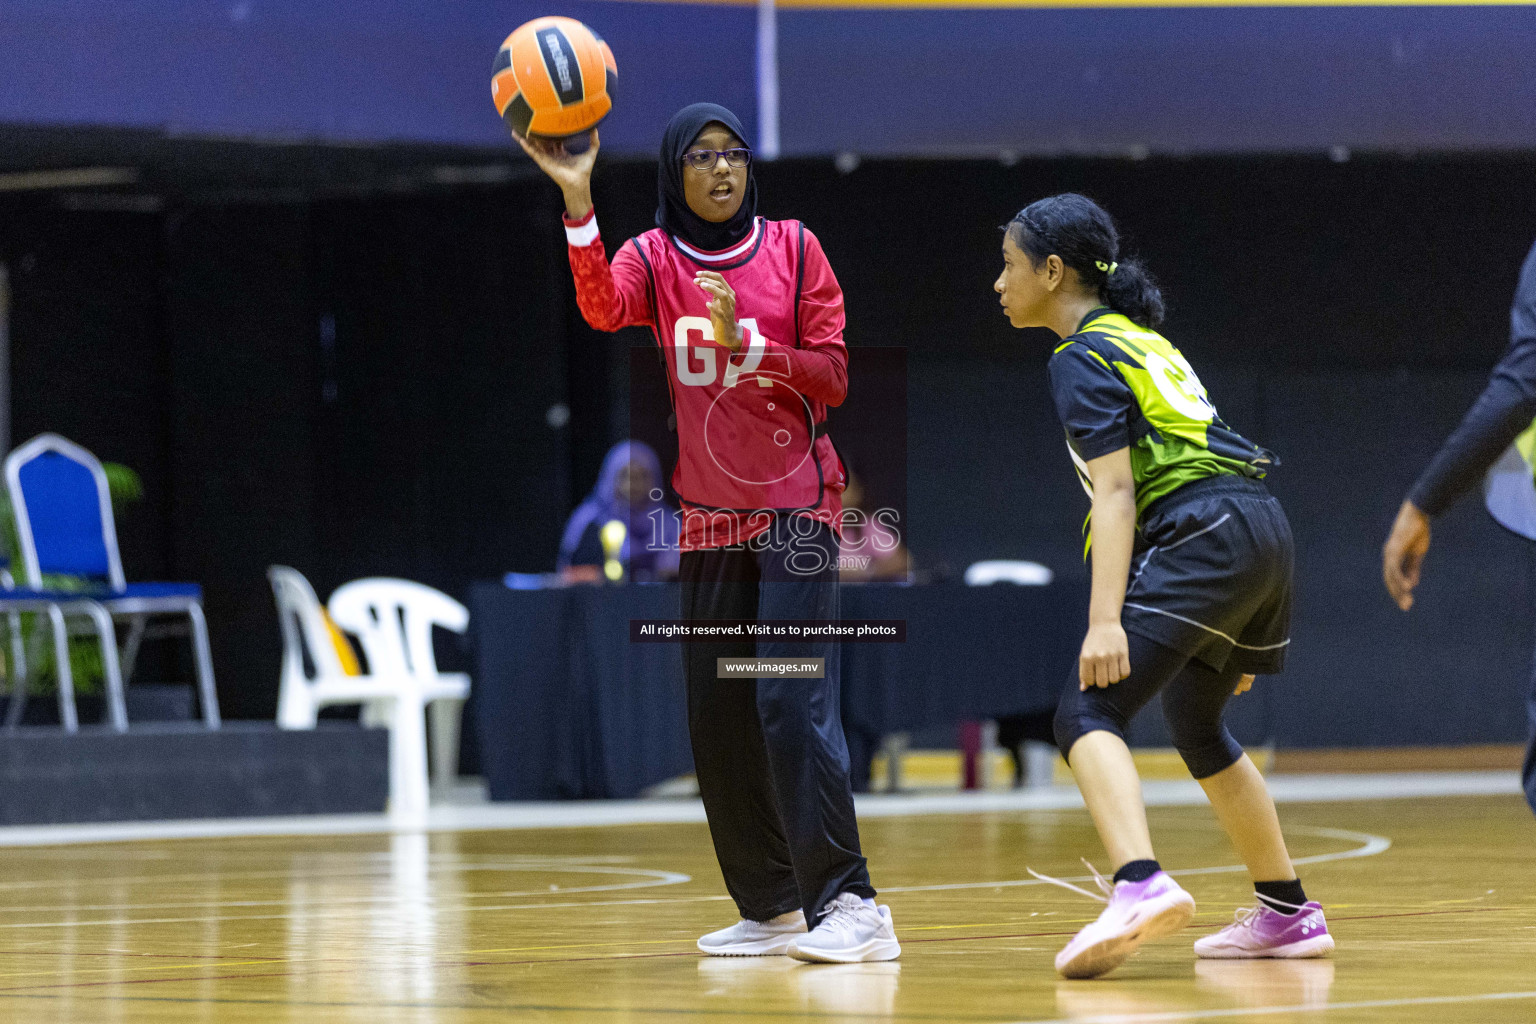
x=870, y=551
x=623, y=530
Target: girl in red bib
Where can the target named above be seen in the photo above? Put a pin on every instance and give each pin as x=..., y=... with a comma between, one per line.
x=749, y=320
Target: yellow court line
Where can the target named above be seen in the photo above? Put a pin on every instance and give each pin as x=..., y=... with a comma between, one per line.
x=657, y=942
x=653, y=942
x=568, y=945
x=130, y=970
x=948, y=927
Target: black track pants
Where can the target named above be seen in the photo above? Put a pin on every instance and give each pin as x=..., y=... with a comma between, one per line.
x=770, y=756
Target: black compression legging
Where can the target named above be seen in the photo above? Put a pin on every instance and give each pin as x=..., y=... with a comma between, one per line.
x=1193, y=698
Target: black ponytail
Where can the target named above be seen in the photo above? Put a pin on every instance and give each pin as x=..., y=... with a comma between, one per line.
x=1131, y=290
x=1083, y=235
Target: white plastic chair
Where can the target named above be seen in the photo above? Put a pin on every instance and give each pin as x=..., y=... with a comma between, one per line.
x=1025, y=574
x=394, y=620
x=300, y=695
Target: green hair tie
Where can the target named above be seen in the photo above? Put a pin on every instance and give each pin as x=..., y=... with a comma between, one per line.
x=1108, y=268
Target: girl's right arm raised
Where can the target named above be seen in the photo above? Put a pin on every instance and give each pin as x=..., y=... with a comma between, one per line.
x=609, y=297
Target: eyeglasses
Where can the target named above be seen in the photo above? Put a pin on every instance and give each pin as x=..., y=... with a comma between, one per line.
x=704, y=159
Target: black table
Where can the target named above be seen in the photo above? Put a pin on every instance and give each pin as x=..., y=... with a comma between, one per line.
x=564, y=706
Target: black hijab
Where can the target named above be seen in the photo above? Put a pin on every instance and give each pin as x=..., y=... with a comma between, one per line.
x=672, y=213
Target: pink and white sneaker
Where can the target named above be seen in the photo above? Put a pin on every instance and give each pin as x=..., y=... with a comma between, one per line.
x=1260, y=932
x=1137, y=911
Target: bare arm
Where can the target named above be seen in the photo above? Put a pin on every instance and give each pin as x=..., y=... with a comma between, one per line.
x=609, y=296
x=572, y=172
x=1105, y=656
x=1402, y=556
x=1502, y=411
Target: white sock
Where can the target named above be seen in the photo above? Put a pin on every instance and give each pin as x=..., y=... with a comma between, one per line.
x=868, y=902
x=790, y=918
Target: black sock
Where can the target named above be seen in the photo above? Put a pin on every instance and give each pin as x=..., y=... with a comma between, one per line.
x=1138, y=871
x=1276, y=896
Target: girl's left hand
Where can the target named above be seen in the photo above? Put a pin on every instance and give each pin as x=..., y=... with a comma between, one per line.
x=1106, y=656
x=722, y=308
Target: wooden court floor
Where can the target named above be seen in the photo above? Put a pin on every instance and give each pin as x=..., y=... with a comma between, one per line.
x=1432, y=902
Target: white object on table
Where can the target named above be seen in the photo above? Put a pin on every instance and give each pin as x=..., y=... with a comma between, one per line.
x=1026, y=574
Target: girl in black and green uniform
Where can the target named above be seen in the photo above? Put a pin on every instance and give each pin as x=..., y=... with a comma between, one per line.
x=1192, y=565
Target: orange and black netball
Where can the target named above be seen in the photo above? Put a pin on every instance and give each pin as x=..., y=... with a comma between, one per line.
x=553, y=77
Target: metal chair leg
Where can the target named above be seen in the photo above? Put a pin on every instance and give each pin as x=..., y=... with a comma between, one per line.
x=66, y=677
x=208, y=696
x=117, y=704
x=18, y=680
x=32, y=646
x=131, y=643
x=18, y=651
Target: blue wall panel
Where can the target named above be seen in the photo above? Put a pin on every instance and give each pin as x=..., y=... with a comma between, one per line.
x=1171, y=80
x=347, y=70
x=909, y=81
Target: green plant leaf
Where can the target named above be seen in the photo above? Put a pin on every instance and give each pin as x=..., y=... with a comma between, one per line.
x=123, y=483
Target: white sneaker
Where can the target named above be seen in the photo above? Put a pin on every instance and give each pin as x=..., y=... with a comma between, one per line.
x=755, y=938
x=850, y=932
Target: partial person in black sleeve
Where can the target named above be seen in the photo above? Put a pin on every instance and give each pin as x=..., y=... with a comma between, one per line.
x=1506, y=407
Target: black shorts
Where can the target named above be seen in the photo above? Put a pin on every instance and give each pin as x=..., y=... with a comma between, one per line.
x=1212, y=575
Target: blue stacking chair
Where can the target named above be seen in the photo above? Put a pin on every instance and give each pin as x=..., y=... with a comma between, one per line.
x=64, y=520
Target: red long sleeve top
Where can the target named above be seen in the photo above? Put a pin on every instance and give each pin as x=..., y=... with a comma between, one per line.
x=750, y=425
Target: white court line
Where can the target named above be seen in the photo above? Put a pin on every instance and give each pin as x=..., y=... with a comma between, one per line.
x=317, y=908
x=653, y=878
x=595, y=813
x=1369, y=846
x=1362, y=1004
x=313, y=916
